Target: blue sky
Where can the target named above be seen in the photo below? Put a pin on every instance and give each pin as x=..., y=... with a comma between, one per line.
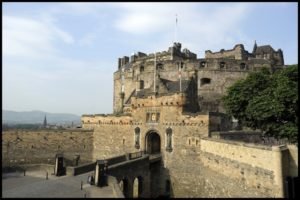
x=60, y=57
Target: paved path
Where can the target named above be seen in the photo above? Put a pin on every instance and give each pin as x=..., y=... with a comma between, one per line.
x=34, y=184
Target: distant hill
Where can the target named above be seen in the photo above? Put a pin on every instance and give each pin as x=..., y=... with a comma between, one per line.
x=37, y=117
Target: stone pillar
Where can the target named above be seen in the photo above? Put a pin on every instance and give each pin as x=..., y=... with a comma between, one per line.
x=278, y=169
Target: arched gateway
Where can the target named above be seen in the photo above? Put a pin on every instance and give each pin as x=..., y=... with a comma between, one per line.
x=152, y=142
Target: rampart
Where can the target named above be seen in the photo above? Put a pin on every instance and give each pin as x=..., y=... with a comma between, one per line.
x=258, y=168
x=41, y=146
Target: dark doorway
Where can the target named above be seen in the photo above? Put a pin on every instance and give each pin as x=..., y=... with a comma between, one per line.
x=153, y=143
x=60, y=170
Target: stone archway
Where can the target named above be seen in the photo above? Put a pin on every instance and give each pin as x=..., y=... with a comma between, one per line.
x=153, y=143
x=124, y=187
x=137, y=187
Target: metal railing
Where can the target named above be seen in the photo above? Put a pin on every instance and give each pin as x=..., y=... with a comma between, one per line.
x=135, y=155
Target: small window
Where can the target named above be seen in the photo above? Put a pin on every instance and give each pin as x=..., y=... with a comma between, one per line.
x=137, y=137
x=141, y=84
x=169, y=139
x=205, y=81
x=222, y=65
x=242, y=66
x=159, y=66
x=141, y=68
x=202, y=64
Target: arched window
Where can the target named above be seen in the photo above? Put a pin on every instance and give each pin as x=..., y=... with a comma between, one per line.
x=141, y=68
x=137, y=137
x=205, y=81
x=169, y=139
x=222, y=65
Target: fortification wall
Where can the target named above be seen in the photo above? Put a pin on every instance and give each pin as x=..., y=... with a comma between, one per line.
x=210, y=93
x=236, y=53
x=218, y=168
x=259, y=167
x=41, y=146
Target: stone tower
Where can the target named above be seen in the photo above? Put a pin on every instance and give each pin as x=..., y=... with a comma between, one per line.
x=213, y=74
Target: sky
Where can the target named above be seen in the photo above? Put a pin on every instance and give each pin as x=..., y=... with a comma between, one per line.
x=60, y=57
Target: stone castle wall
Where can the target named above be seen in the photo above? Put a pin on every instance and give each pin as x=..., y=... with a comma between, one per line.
x=210, y=94
x=196, y=167
x=41, y=146
x=237, y=53
x=223, y=68
x=216, y=168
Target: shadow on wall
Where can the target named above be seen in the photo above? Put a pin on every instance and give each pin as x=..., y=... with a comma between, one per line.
x=168, y=184
x=161, y=183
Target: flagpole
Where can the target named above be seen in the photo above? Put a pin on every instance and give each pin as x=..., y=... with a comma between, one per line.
x=180, y=77
x=176, y=29
x=154, y=72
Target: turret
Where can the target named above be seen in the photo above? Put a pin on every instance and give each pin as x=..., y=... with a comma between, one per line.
x=254, y=47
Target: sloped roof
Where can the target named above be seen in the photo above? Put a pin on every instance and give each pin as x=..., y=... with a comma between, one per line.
x=171, y=87
x=264, y=49
x=145, y=92
x=174, y=86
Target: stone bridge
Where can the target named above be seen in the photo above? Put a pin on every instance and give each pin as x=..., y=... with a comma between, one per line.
x=134, y=172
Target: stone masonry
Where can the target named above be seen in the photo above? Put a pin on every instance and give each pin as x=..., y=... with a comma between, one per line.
x=168, y=104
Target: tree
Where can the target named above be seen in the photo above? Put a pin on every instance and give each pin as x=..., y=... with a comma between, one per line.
x=267, y=101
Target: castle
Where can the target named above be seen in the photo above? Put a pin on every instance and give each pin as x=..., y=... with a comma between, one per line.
x=168, y=104
x=177, y=69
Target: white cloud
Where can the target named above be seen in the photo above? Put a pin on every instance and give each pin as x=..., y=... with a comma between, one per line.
x=200, y=25
x=88, y=39
x=25, y=37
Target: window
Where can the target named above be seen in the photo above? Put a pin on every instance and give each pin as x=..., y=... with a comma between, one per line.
x=222, y=65
x=169, y=139
x=141, y=84
x=137, y=137
x=159, y=66
x=202, y=64
x=152, y=117
x=141, y=68
x=242, y=66
x=205, y=81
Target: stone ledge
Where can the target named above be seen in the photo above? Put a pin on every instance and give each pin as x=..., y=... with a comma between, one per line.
x=238, y=143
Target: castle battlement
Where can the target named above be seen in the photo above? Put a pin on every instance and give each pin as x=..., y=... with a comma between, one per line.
x=213, y=74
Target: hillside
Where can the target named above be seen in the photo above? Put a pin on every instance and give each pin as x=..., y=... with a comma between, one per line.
x=37, y=117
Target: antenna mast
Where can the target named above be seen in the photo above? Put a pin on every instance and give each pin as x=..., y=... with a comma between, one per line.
x=176, y=29
x=154, y=85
